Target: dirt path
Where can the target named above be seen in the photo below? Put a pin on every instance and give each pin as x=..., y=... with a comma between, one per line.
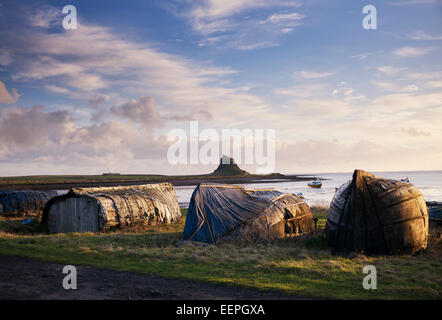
x=22, y=278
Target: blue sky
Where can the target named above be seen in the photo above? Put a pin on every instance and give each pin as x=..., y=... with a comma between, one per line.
x=104, y=96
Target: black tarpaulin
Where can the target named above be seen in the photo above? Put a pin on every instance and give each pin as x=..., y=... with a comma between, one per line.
x=16, y=202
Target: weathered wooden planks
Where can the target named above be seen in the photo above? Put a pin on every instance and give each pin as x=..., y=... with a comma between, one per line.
x=377, y=216
x=101, y=209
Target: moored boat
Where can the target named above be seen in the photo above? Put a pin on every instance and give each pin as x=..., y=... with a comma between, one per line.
x=317, y=183
x=435, y=210
x=300, y=195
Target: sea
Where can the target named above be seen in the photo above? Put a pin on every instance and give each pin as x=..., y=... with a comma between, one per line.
x=429, y=182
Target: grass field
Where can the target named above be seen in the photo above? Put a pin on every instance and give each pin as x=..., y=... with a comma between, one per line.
x=25, y=180
x=303, y=266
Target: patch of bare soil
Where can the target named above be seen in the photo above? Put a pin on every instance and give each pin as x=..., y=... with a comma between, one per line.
x=22, y=278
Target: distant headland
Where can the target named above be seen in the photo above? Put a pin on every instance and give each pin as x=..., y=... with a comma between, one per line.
x=226, y=172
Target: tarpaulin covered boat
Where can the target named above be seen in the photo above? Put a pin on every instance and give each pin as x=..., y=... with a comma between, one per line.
x=218, y=212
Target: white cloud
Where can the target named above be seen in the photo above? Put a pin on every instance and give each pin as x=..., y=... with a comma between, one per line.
x=286, y=30
x=410, y=88
x=34, y=138
x=101, y=62
x=339, y=156
x=434, y=84
x=386, y=85
x=362, y=56
x=213, y=18
x=424, y=75
x=303, y=90
x=415, y=132
x=45, y=17
x=345, y=92
x=408, y=101
x=95, y=62
x=313, y=75
x=224, y=8
x=389, y=70
x=287, y=19
x=412, y=51
x=142, y=111
x=421, y=35
x=6, y=97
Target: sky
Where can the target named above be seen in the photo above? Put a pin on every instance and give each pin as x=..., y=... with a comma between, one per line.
x=103, y=97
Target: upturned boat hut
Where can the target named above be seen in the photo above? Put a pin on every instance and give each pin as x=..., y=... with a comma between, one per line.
x=102, y=209
x=374, y=215
x=219, y=212
x=24, y=202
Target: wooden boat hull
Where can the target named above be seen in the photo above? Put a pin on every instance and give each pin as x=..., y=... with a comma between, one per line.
x=435, y=210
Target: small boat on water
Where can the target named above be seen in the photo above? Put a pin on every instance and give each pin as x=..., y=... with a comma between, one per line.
x=317, y=183
x=300, y=195
x=435, y=210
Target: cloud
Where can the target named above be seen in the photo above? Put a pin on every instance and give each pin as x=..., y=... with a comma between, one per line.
x=213, y=18
x=313, y=75
x=412, y=51
x=389, y=70
x=22, y=127
x=345, y=92
x=395, y=86
x=101, y=67
x=415, y=133
x=410, y=88
x=421, y=35
x=196, y=115
x=413, y=2
x=213, y=9
x=397, y=101
x=5, y=57
x=362, y=56
x=96, y=101
x=286, y=19
x=424, y=75
x=303, y=90
x=96, y=61
x=35, y=138
x=434, y=84
x=6, y=97
x=142, y=111
x=386, y=85
x=45, y=17
x=314, y=155
x=209, y=41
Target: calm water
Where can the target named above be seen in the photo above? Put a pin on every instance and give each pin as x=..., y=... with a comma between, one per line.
x=429, y=182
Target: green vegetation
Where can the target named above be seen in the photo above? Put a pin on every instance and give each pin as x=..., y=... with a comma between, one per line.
x=300, y=266
x=84, y=179
x=229, y=169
